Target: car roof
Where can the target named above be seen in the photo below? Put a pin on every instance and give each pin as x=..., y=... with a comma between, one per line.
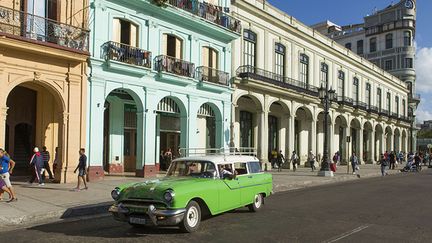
x=221, y=159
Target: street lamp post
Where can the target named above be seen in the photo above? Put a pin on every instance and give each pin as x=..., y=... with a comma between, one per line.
x=327, y=96
x=411, y=112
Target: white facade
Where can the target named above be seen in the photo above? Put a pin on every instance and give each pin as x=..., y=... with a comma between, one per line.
x=285, y=111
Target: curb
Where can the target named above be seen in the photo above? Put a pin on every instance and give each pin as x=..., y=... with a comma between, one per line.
x=74, y=212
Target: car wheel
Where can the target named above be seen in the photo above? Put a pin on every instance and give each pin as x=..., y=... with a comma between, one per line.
x=257, y=203
x=192, y=217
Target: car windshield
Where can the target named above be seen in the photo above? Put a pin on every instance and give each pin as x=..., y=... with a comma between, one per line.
x=202, y=169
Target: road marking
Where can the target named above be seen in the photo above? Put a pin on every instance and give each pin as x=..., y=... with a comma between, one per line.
x=346, y=234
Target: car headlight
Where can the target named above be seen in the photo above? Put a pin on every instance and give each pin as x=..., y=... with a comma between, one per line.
x=115, y=194
x=169, y=196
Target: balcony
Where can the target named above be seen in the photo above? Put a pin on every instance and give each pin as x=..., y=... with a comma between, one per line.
x=209, y=12
x=211, y=75
x=343, y=100
x=372, y=109
x=360, y=105
x=384, y=112
x=126, y=54
x=250, y=72
x=174, y=66
x=28, y=27
x=414, y=98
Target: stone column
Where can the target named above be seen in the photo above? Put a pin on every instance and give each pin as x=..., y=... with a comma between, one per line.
x=291, y=135
x=313, y=136
x=263, y=137
x=360, y=146
x=372, y=148
x=3, y=118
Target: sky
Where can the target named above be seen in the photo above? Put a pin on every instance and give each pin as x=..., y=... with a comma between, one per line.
x=344, y=12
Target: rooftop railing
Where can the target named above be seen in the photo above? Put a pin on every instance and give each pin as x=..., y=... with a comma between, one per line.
x=209, y=12
x=251, y=72
x=175, y=66
x=43, y=30
x=212, y=75
x=127, y=54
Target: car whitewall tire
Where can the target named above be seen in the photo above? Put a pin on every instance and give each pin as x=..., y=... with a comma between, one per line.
x=192, y=217
x=257, y=203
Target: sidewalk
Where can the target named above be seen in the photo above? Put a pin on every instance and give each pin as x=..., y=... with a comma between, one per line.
x=59, y=201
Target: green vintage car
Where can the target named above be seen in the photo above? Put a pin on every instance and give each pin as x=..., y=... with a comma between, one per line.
x=192, y=188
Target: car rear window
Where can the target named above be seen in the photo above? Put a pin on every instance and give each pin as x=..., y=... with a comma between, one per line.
x=254, y=167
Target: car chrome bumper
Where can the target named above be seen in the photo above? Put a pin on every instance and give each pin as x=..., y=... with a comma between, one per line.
x=155, y=217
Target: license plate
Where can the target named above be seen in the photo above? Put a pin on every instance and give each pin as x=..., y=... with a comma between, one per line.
x=134, y=220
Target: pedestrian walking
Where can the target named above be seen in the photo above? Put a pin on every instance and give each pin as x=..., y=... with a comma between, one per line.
x=3, y=189
x=392, y=160
x=82, y=166
x=355, y=164
x=37, y=163
x=280, y=160
x=336, y=158
x=311, y=159
x=384, y=165
x=46, y=158
x=294, y=160
x=6, y=169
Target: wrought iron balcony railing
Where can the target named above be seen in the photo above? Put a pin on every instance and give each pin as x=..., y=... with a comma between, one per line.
x=31, y=27
x=372, y=109
x=360, y=105
x=251, y=72
x=343, y=100
x=206, y=74
x=384, y=112
x=394, y=115
x=127, y=54
x=174, y=66
x=209, y=12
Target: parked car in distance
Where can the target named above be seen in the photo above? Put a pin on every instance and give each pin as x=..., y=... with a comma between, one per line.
x=193, y=187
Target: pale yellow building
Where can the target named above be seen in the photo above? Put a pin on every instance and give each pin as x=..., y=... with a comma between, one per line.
x=43, y=53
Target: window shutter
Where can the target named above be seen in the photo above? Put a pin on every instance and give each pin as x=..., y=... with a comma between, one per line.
x=133, y=35
x=205, y=56
x=178, y=50
x=214, y=56
x=116, y=30
x=164, y=44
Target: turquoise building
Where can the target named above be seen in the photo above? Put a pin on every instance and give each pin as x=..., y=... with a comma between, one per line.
x=159, y=80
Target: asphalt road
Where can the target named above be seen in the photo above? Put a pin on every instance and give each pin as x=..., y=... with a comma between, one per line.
x=391, y=209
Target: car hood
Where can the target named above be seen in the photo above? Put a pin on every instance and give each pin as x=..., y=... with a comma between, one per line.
x=154, y=189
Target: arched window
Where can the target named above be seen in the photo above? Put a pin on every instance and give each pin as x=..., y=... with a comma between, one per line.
x=341, y=84
x=388, y=101
x=324, y=75
x=407, y=38
x=304, y=68
x=280, y=60
x=389, y=41
x=210, y=57
x=360, y=47
x=373, y=44
x=249, y=50
x=368, y=94
x=172, y=46
x=125, y=32
x=379, y=99
x=355, y=89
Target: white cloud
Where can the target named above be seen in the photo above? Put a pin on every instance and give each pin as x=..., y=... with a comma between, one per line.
x=424, y=70
x=424, y=110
